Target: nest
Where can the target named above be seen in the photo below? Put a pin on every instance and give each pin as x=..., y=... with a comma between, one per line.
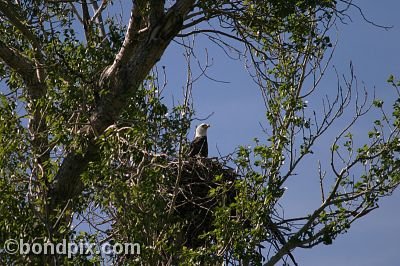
x=204, y=184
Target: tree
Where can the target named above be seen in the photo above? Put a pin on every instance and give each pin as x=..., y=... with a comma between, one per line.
x=85, y=134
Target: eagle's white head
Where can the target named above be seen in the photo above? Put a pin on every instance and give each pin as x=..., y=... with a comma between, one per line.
x=201, y=130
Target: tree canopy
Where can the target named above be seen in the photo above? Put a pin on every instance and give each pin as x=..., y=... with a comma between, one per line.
x=85, y=134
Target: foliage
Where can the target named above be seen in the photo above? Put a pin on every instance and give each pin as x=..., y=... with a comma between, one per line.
x=87, y=138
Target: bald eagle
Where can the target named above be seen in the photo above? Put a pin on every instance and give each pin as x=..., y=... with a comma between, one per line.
x=199, y=146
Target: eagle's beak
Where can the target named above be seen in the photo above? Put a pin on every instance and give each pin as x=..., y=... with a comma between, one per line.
x=208, y=125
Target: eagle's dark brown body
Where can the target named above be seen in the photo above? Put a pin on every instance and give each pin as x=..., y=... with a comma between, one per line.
x=199, y=147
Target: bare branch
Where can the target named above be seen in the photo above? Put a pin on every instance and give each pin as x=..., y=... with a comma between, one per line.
x=18, y=62
x=98, y=10
x=86, y=21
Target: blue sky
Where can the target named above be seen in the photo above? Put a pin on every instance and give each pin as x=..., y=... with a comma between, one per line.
x=375, y=54
x=238, y=109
